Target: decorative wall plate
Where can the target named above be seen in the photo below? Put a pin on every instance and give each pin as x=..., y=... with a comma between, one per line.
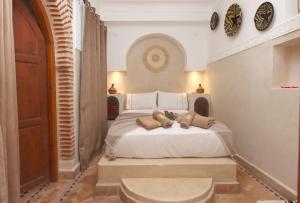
x=156, y=58
x=264, y=16
x=233, y=20
x=214, y=21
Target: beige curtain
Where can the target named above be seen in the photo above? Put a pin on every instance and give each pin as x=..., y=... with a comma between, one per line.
x=3, y=170
x=93, y=113
x=103, y=86
x=9, y=137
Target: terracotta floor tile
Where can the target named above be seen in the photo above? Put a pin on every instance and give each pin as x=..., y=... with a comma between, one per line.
x=84, y=191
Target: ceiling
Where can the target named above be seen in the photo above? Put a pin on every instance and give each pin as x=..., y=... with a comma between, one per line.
x=154, y=10
x=160, y=1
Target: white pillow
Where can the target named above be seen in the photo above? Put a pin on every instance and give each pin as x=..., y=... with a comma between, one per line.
x=141, y=101
x=174, y=101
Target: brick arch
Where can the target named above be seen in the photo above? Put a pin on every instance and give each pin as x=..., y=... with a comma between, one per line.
x=60, y=14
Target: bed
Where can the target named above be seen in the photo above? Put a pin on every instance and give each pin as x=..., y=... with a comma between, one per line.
x=125, y=139
x=133, y=152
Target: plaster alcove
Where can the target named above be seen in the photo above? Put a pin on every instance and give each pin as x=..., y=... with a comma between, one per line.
x=286, y=71
x=174, y=78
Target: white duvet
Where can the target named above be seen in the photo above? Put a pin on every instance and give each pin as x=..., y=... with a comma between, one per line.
x=172, y=142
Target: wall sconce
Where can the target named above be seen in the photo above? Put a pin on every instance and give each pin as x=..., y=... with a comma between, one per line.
x=195, y=81
x=116, y=82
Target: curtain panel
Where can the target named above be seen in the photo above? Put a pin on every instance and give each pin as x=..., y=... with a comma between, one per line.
x=93, y=113
x=9, y=135
x=3, y=170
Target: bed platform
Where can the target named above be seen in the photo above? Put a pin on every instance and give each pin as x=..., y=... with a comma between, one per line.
x=151, y=178
x=113, y=174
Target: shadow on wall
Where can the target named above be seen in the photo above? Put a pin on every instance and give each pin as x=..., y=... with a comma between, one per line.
x=156, y=62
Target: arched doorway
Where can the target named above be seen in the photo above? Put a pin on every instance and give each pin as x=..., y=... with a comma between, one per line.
x=35, y=73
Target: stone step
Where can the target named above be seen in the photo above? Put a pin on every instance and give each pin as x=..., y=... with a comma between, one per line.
x=271, y=201
x=167, y=190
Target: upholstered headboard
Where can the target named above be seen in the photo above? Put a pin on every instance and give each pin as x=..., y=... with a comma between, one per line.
x=113, y=107
x=200, y=103
x=201, y=106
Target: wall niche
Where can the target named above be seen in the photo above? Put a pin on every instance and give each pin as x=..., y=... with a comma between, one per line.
x=286, y=70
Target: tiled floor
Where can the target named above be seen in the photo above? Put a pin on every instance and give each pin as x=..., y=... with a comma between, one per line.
x=83, y=187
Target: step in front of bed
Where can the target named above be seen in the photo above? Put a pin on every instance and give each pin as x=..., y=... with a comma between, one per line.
x=221, y=170
x=167, y=190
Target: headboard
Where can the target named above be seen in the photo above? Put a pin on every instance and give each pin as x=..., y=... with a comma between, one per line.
x=200, y=103
x=113, y=107
x=201, y=106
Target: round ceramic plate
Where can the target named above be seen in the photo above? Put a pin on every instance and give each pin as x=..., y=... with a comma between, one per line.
x=264, y=16
x=233, y=20
x=156, y=58
x=214, y=21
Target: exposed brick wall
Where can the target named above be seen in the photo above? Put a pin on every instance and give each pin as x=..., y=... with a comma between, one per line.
x=60, y=15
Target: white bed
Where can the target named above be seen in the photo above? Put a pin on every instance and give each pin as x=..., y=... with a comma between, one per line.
x=169, y=143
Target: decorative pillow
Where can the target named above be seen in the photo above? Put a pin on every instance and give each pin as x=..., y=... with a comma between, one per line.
x=172, y=101
x=141, y=101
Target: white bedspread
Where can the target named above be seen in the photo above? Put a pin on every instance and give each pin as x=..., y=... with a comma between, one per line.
x=172, y=142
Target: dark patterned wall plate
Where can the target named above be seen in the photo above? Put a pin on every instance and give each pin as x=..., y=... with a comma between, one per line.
x=233, y=20
x=214, y=21
x=264, y=16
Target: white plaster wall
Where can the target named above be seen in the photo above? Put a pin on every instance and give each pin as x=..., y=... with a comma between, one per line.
x=294, y=65
x=153, y=10
x=192, y=36
x=219, y=43
x=187, y=21
x=240, y=85
x=263, y=118
x=127, y=21
x=286, y=71
x=78, y=18
x=77, y=41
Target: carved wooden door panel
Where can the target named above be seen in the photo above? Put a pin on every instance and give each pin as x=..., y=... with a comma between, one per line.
x=32, y=94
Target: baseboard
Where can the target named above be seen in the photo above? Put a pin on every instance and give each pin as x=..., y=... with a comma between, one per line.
x=107, y=189
x=271, y=181
x=69, y=173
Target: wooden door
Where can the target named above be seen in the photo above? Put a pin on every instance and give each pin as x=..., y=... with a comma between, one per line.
x=299, y=162
x=32, y=94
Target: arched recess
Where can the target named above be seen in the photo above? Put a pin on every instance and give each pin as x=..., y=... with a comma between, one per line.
x=44, y=22
x=161, y=35
x=139, y=77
